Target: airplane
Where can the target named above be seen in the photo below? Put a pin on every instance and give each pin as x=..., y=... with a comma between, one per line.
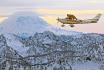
x=71, y=20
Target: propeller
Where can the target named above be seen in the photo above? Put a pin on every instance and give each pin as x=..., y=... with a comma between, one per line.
x=57, y=20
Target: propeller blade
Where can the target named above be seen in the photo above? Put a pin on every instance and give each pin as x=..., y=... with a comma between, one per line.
x=58, y=20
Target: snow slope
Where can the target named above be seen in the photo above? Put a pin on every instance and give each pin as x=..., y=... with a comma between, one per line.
x=15, y=44
x=86, y=66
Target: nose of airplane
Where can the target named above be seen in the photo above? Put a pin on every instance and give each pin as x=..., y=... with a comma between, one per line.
x=57, y=19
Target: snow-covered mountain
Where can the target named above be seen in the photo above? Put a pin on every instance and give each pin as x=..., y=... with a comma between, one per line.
x=29, y=43
x=23, y=22
x=29, y=23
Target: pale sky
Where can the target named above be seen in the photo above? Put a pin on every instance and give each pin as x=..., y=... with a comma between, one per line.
x=8, y=6
x=74, y=4
x=51, y=9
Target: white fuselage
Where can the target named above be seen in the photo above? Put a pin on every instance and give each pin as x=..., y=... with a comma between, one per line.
x=66, y=21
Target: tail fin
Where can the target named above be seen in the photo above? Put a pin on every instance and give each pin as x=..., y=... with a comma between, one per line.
x=97, y=17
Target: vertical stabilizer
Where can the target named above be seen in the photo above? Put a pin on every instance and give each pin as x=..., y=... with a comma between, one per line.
x=97, y=17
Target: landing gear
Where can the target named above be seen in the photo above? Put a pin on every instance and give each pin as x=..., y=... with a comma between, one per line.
x=62, y=25
x=71, y=25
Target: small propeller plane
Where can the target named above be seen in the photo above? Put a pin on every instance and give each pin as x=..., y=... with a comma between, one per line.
x=71, y=20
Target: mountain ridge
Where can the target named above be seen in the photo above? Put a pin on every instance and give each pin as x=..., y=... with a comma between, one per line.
x=32, y=44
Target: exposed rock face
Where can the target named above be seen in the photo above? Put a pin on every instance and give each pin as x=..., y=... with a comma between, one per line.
x=49, y=51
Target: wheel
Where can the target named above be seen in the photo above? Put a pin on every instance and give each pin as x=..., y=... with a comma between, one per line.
x=71, y=25
x=62, y=25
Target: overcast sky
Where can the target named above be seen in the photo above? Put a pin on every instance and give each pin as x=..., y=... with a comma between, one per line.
x=7, y=6
x=74, y=4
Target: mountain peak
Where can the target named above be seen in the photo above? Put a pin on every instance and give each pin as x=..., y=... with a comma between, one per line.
x=29, y=23
x=25, y=22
